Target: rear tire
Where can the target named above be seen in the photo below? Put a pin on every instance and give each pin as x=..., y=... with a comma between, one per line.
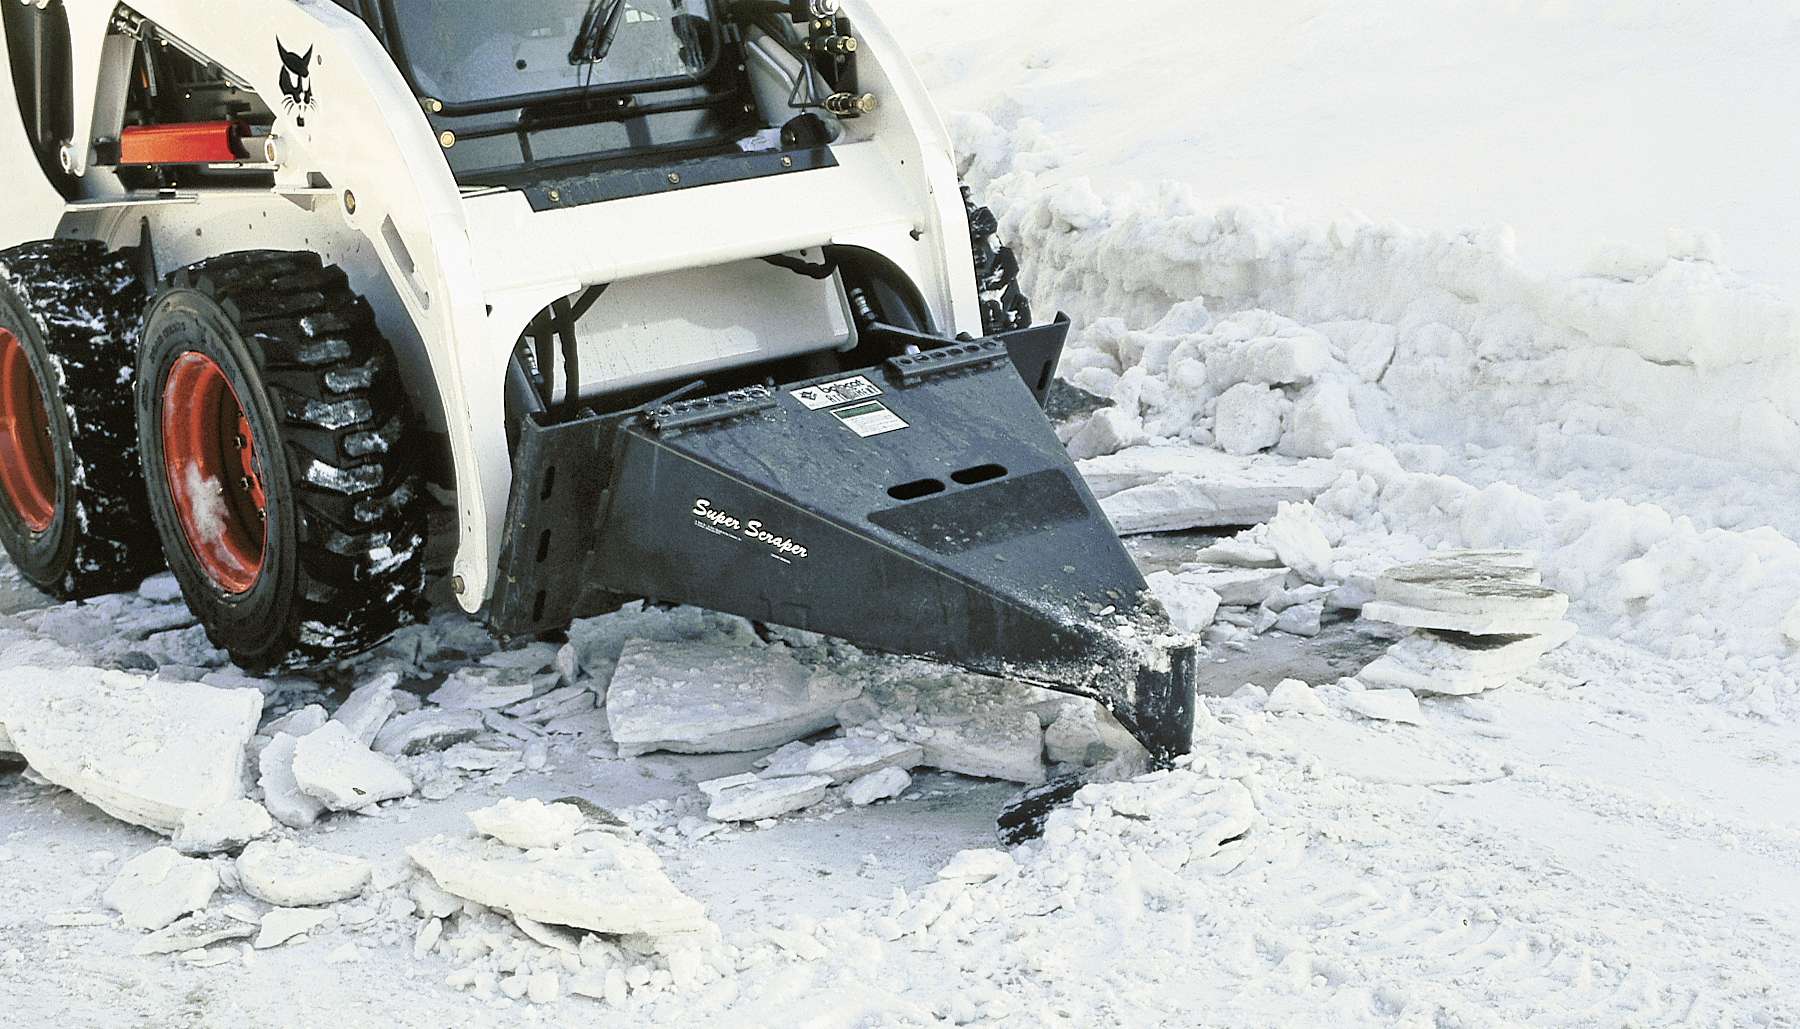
x=73, y=514
x=275, y=452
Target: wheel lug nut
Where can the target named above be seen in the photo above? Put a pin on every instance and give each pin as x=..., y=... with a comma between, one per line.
x=239, y=441
x=245, y=482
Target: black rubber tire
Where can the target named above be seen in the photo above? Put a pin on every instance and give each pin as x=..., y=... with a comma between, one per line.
x=1003, y=307
x=342, y=548
x=73, y=310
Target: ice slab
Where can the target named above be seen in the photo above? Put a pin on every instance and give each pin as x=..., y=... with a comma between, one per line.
x=1236, y=587
x=1189, y=487
x=1299, y=541
x=844, y=759
x=148, y=751
x=287, y=874
x=1086, y=733
x=280, y=925
x=1291, y=696
x=1385, y=705
x=698, y=698
x=337, y=768
x=226, y=827
x=1431, y=661
x=1190, y=606
x=1106, y=431
x=159, y=886
x=888, y=782
x=202, y=929
x=368, y=707
x=1497, y=621
x=965, y=723
x=426, y=730
x=1236, y=553
x=1482, y=592
x=998, y=745
x=481, y=688
x=748, y=797
x=282, y=796
x=600, y=882
x=529, y=823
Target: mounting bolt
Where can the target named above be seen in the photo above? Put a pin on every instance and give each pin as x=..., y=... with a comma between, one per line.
x=786, y=161
x=555, y=195
x=446, y=139
x=431, y=104
x=674, y=179
x=457, y=586
x=349, y=202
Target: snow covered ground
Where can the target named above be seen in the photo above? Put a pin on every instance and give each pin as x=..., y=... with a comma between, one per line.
x=1607, y=840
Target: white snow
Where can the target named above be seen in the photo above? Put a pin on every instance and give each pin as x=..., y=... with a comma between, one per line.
x=1486, y=277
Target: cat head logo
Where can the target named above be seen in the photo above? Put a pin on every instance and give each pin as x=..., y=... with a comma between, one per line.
x=296, y=82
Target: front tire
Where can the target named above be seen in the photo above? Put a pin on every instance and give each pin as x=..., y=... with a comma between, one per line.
x=73, y=514
x=274, y=442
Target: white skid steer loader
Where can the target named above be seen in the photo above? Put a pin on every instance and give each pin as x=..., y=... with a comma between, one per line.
x=679, y=299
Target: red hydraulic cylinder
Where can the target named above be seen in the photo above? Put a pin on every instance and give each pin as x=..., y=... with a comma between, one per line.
x=206, y=142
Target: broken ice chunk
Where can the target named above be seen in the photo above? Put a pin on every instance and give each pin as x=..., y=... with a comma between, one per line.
x=282, y=795
x=426, y=730
x=1292, y=695
x=1299, y=541
x=368, y=707
x=148, y=751
x=605, y=884
x=1385, y=705
x=1190, y=607
x=484, y=687
x=888, y=782
x=280, y=925
x=226, y=827
x=702, y=699
x=844, y=759
x=529, y=823
x=202, y=929
x=297, y=722
x=1481, y=592
x=996, y=744
x=747, y=798
x=1087, y=734
x=1213, y=495
x=159, y=886
x=335, y=767
x=1238, y=587
x=287, y=874
x=1436, y=661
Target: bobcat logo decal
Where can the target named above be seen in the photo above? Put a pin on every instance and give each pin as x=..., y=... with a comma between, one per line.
x=296, y=82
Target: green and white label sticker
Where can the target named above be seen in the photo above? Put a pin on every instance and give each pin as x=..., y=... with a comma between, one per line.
x=831, y=394
x=870, y=419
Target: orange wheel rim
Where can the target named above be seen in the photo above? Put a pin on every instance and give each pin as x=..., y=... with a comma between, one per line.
x=27, y=454
x=209, y=455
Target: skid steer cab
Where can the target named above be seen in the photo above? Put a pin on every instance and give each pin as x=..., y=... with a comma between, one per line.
x=676, y=299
